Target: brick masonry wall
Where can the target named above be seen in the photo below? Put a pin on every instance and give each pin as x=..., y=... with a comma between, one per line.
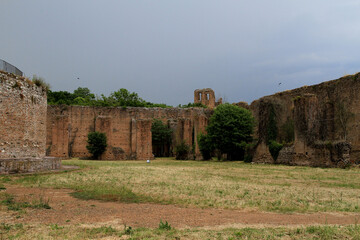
x=22, y=117
x=128, y=130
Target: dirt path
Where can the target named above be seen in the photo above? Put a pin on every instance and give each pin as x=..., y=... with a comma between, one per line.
x=68, y=210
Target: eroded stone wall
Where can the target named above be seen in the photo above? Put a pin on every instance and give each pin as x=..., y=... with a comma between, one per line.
x=317, y=112
x=23, y=109
x=128, y=130
x=22, y=118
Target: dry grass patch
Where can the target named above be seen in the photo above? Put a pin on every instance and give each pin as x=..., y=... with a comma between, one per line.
x=77, y=232
x=233, y=185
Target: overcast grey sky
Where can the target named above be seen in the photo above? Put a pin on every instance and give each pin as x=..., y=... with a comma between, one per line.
x=164, y=50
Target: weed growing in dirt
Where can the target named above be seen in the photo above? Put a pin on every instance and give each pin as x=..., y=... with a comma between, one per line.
x=164, y=225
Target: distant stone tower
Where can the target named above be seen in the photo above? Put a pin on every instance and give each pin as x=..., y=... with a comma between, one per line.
x=206, y=97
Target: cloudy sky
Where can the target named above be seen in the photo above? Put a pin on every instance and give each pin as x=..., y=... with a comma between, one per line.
x=164, y=49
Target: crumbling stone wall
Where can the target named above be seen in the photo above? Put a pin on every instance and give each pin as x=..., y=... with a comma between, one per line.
x=316, y=112
x=206, y=97
x=23, y=109
x=128, y=130
x=22, y=118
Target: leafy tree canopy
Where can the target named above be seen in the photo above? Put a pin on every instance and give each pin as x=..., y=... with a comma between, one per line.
x=84, y=97
x=230, y=129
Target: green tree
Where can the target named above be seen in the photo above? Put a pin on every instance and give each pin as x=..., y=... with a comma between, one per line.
x=84, y=94
x=97, y=144
x=230, y=129
x=161, y=138
x=123, y=97
x=205, y=146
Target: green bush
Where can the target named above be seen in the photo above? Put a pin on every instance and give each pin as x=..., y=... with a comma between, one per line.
x=274, y=148
x=96, y=144
x=230, y=129
x=182, y=151
x=205, y=146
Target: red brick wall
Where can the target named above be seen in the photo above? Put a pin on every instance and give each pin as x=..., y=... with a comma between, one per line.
x=128, y=130
x=22, y=118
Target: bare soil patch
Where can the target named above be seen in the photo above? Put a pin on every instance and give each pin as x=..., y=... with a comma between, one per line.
x=66, y=209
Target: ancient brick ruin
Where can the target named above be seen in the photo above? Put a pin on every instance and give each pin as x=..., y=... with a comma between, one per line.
x=206, y=97
x=326, y=124
x=128, y=130
x=23, y=126
x=324, y=118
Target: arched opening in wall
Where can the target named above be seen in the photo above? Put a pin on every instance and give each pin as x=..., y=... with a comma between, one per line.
x=161, y=138
x=199, y=97
x=207, y=96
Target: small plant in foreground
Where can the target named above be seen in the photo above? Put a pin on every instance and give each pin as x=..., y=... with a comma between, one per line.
x=164, y=226
x=127, y=230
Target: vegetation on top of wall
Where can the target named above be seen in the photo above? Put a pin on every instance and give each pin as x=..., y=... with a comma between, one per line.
x=83, y=97
x=190, y=105
x=40, y=82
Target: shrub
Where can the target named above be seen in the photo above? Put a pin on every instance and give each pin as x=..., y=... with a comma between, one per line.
x=182, y=151
x=40, y=82
x=96, y=144
x=274, y=148
x=230, y=129
x=205, y=146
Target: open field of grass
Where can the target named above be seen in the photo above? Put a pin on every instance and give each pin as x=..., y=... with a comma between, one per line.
x=230, y=185
x=80, y=232
x=204, y=184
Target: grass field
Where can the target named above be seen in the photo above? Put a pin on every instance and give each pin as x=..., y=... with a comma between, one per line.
x=19, y=231
x=230, y=185
x=204, y=184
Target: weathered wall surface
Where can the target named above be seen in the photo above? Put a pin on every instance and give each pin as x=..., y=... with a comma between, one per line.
x=322, y=137
x=128, y=130
x=22, y=118
x=23, y=109
x=25, y=165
